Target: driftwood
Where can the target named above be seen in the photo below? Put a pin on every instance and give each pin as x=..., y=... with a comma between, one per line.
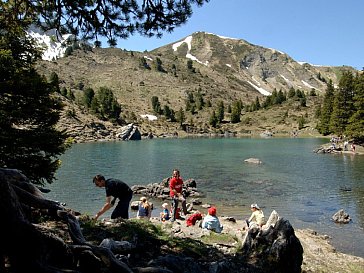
x=26, y=247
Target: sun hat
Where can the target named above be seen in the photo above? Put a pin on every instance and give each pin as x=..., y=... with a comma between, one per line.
x=164, y=205
x=212, y=211
x=254, y=206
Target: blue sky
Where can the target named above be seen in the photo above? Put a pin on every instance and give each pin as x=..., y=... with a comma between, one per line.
x=320, y=32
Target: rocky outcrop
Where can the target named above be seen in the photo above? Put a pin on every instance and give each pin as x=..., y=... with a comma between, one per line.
x=275, y=249
x=161, y=190
x=341, y=217
x=129, y=132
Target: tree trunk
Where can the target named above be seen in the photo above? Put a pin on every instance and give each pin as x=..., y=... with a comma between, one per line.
x=26, y=247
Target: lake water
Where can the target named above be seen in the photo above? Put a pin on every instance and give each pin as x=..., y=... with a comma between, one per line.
x=302, y=186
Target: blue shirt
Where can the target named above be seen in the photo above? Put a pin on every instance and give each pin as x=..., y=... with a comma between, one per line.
x=211, y=223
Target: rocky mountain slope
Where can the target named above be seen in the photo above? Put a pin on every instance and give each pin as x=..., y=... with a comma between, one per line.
x=222, y=69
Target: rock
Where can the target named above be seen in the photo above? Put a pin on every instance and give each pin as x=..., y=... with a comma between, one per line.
x=253, y=160
x=117, y=246
x=341, y=217
x=129, y=132
x=275, y=249
x=161, y=190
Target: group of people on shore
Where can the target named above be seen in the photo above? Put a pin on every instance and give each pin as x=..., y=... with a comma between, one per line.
x=117, y=189
x=335, y=144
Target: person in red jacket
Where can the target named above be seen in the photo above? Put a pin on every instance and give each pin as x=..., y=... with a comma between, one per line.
x=175, y=191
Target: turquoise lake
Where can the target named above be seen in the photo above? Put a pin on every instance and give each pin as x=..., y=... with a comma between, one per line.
x=304, y=187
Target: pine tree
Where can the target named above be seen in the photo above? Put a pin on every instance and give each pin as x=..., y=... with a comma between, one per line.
x=326, y=110
x=220, y=111
x=88, y=95
x=257, y=104
x=343, y=104
x=355, y=128
x=236, y=112
x=157, y=64
x=156, y=105
x=109, y=108
x=213, y=119
x=54, y=81
x=180, y=116
x=28, y=111
x=291, y=92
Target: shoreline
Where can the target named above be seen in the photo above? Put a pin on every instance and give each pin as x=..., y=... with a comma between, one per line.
x=318, y=253
x=239, y=214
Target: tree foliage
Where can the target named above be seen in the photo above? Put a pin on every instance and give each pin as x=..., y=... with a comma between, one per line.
x=156, y=105
x=109, y=18
x=326, y=109
x=220, y=113
x=28, y=113
x=106, y=105
x=342, y=111
x=180, y=116
x=236, y=111
x=355, y=126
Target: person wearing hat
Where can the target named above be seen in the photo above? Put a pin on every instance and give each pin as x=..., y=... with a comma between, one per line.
x=211, y=222
x=115, y=189
x=144, y=209
x=164, y=215
x=256, y=218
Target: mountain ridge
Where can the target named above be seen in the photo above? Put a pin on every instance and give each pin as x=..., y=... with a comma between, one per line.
x=220, y=69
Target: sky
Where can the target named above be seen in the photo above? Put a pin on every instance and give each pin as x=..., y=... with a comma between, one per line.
x=319, y=32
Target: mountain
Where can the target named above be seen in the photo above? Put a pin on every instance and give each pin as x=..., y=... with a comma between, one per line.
x=262, y=68
x=220, y=69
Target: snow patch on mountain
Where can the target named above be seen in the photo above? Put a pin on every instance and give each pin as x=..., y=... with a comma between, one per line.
x=53, y=44
x=260, y=89
x=188, y=41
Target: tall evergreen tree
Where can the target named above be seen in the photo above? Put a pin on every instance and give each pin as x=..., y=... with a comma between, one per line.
x=291, y=92
x=220, y=111
x=235, y=112
x=257, y=103
x=213, y=119
x=88, y=96
x=343, y=104
x=326, y=110
x=180, y=116
x=109, y=108
x=157, y=64
x=355, y=128
x=54, y=81
x=199, y=100
x=156, y=105
x=28, y=113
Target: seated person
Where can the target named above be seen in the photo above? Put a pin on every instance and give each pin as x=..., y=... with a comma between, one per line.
x=211, y=222
x=164, y=215
x=145, y=209
x=257, y=217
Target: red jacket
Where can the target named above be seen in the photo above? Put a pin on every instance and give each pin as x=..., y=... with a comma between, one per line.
x=175, y=183
x=191, y=221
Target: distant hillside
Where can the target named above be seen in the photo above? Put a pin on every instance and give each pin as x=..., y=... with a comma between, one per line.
x=221, y=69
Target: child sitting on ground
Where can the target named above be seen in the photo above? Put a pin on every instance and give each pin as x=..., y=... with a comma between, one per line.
x=164, y=215
x=211, y=222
